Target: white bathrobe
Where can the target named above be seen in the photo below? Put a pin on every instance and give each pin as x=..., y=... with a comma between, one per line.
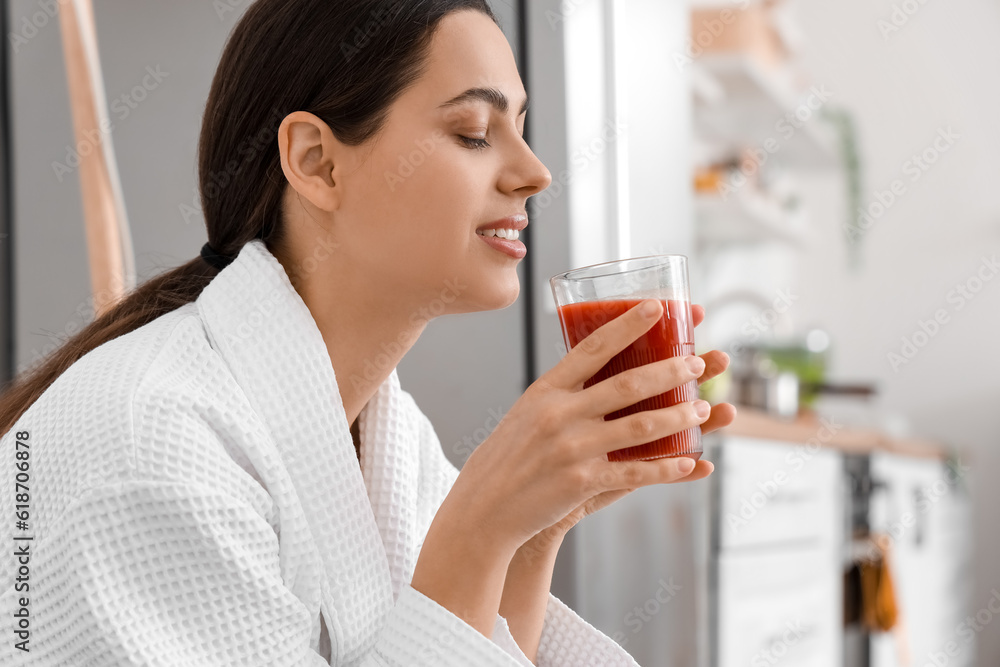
x=193, y=497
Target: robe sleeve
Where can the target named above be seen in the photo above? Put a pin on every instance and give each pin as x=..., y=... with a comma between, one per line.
x=567, y=639
x=167, y=573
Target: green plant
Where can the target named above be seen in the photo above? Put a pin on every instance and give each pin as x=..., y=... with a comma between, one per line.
x=843, y=123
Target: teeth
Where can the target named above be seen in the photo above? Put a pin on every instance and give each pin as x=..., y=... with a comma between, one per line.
x=509, y=234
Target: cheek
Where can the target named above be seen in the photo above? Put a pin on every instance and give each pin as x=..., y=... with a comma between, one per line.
x=432, y=196
x=422, y=207
x=439, y=177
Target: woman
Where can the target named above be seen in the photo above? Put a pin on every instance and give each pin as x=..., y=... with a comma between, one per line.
x=224, y=469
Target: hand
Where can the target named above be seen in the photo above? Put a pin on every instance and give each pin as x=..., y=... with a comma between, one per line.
x=546, y=461
x=723, y=414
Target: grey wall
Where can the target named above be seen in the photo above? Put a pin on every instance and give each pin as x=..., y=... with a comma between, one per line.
x=155, y=144
x=6, y=219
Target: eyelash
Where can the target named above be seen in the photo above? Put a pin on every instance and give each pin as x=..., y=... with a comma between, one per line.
x=477, y=144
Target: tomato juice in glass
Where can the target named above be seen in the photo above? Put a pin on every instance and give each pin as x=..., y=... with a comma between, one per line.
x=590, y=297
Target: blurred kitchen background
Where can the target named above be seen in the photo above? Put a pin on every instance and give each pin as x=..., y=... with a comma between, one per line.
x=828, y=168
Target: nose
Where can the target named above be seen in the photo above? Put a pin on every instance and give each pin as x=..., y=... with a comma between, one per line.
x=526, y=175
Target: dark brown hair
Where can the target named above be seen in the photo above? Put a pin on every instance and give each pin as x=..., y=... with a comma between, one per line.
x=346, y=61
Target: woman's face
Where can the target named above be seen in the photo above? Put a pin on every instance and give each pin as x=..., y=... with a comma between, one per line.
x=411, y=201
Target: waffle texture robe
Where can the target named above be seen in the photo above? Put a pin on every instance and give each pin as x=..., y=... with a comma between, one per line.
x=194, y=498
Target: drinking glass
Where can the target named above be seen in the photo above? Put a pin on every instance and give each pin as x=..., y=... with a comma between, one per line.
x=591, y=296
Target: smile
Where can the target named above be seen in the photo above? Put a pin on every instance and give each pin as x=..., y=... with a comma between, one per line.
x=509, y=234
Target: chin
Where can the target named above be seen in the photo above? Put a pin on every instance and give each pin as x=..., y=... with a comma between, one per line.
x=511, y=298
x=508, y=291
x=495, y=295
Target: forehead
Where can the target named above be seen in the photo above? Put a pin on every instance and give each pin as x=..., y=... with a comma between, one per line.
x=469, y=51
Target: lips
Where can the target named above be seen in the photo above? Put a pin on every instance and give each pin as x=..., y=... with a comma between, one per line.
x=517, y=222
x=503, y=233
x=514, y=248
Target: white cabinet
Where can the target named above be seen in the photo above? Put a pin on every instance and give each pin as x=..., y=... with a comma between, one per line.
x=778, y=492
x=776, y=582
x=747, y=568
x=921, y=504
x=774, y=605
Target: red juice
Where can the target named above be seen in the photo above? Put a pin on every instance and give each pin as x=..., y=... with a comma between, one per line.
x=671, y=336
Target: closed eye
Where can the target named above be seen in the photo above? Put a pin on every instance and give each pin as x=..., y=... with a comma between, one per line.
x=472, y=142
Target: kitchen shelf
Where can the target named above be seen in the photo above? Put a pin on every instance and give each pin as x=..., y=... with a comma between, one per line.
x=740, y=103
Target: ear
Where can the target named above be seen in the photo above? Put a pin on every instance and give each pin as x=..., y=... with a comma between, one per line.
x=309, y=159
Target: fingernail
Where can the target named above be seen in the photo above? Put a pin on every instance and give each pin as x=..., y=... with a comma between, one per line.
x=695, y=364
x=686, y=465
x=650, y=308
x=702, y=409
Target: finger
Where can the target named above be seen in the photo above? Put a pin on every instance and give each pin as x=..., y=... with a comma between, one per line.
x=722, y=415
x=639, y=383
x=702, y=469
x=634, y=474
x=697, y=314
x=640, y=428
x=716, y=363
x=591, y=354
x=604, y=499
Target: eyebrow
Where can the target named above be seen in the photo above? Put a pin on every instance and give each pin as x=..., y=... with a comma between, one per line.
x=492, y=96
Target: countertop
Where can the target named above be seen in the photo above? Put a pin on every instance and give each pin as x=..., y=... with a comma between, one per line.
x=809, y=427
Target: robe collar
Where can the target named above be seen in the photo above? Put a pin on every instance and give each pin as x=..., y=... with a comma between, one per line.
x=362, y=518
